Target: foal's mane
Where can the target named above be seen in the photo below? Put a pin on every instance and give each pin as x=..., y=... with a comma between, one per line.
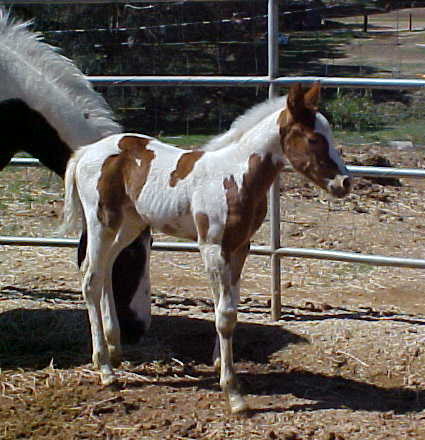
x=245, y=122
x=34, y=71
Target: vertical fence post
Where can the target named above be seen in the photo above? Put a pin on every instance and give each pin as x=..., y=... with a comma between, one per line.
x=365, y=22
x=274, y=195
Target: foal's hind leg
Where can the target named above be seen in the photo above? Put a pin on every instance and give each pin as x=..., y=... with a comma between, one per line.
x=111, y=328
x=94, y=270
x=219, y=271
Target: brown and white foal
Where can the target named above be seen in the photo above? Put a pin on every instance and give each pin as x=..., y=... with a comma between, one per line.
x=216, y=195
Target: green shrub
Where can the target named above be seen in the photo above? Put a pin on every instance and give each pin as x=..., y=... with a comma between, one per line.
x=353, y=111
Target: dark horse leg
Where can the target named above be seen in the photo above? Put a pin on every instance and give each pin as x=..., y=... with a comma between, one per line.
x=131, y=286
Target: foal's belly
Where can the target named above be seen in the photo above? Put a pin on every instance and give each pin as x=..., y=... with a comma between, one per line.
x=170, y=218
x=182, y=227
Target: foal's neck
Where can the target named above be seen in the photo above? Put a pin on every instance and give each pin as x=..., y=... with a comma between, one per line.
x=262, y=140
x=25, y=129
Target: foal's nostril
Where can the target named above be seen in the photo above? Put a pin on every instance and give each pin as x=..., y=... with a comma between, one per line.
x=346, y=183
x=340, y=186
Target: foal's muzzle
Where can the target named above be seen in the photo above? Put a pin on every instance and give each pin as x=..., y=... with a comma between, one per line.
x=340, y=186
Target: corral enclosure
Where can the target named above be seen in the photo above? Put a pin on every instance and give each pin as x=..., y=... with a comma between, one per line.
x=346, y=359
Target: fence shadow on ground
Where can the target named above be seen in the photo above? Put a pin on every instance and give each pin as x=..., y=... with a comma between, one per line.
x=333, y=392
x=318, y=392
x=319, y=54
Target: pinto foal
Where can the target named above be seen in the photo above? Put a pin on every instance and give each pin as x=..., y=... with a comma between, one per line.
x=216, y=195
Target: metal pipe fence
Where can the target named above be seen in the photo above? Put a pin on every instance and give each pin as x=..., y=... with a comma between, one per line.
x=319, y=254
x=254, y=81
x=277, y=251
x=274, y=251
x=356, y=170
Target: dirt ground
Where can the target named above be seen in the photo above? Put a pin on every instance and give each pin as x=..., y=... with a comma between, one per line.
x=388, y=49
x=346, y=361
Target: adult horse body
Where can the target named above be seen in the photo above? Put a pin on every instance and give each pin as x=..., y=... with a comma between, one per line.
x=49, y=109
x=216, y=195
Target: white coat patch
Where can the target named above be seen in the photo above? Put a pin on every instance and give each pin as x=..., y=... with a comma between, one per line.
x=322, y=127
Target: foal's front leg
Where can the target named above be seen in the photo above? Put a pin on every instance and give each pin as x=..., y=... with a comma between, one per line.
x=237, y=261
x=219, y=271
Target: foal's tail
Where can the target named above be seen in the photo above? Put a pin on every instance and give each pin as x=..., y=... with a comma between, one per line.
x=72, y=210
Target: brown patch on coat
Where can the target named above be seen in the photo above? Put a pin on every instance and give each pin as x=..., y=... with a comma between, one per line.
x=307, y=151
x=247, y=206
x=301, y=108
x=168, y=229
x=135, y=174
x=111, y=193
x=122, y=179
x=184, y=166
x=238, y=261
x=202, y=225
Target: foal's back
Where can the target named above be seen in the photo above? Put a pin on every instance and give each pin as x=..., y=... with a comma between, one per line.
x=135, y=172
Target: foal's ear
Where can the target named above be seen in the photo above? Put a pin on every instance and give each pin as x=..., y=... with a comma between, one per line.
x=295, y=101
x=312, y=96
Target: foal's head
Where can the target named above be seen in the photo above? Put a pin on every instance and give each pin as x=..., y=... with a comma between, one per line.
x=308, y=144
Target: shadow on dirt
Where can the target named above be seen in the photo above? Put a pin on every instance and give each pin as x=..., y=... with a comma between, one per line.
x=318, y=53
x=35, y=338
x=323, y=392
x=369, y=314
x=192, y=339
x=333, y=392
x=31, y=338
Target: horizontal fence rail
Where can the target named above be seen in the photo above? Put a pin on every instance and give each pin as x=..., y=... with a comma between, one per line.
x=355, y=170
x=67, y=2
x=253, y=81
x=319, y=254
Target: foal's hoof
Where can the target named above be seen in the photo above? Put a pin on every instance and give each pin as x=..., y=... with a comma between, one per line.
x=237, y=404
x=217, y=366
x=108, y=379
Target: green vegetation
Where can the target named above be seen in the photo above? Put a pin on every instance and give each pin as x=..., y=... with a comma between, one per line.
x=355, y=112
x=364, y=116
x=188, y=142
